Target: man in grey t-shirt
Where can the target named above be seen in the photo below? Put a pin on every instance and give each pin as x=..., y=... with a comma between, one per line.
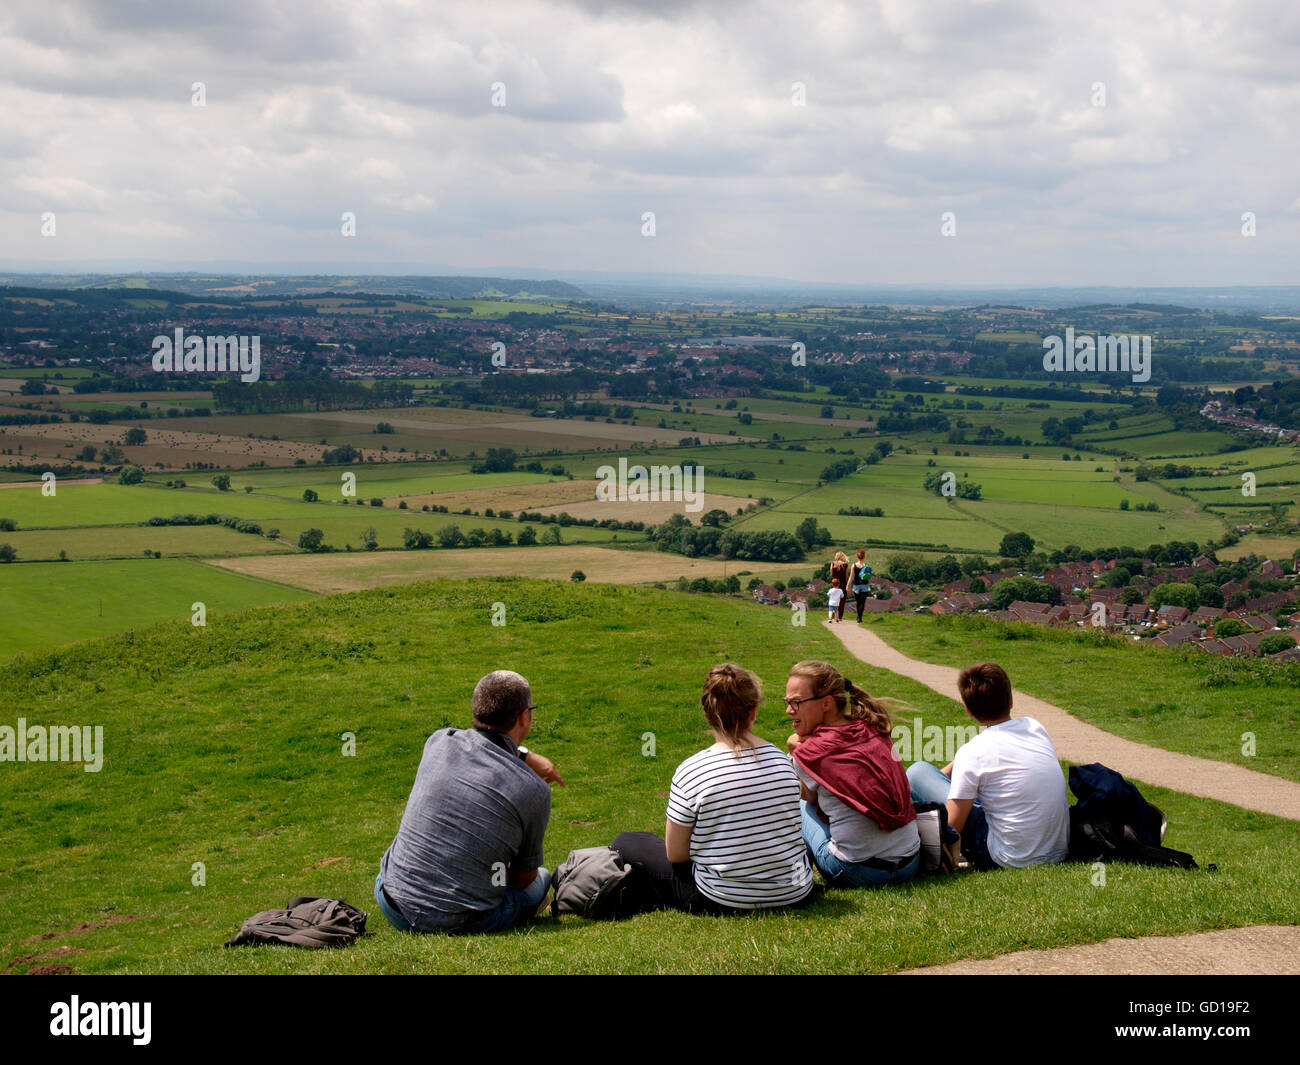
x=468, y=854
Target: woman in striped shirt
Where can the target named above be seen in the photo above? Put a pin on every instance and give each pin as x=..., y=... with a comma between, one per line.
x=732, y=839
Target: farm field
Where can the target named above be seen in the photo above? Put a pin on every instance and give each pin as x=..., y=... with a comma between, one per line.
x=328, y=574
x=50, y=604
x=231, y=756
x=131, y=541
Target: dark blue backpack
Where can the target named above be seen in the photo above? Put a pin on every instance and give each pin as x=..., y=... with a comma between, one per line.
x=1113, y=822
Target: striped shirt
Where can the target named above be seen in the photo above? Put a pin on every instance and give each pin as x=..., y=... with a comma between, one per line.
x=746, y=840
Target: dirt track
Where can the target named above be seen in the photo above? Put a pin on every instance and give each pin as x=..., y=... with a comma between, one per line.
x=1076, y=741
x=1264, y=950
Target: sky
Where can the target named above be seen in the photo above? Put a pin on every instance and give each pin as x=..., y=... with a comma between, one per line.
x=1118, y=142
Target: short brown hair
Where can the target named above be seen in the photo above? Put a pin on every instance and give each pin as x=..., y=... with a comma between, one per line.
x=986, y=691
x=730, y=697
x=499, y=699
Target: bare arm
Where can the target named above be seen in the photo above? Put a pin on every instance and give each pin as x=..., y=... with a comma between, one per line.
x=958, y=811
x=544, y=768
x=677, y=841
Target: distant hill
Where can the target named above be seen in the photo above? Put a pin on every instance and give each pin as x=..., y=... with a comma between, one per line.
x=240, y=285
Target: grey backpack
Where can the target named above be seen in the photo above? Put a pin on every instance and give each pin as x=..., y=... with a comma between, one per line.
x=596, y=882
x=307, y=922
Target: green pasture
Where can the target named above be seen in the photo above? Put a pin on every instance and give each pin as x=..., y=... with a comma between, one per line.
x=50, y=604
x=131, y=541
x=76, y=505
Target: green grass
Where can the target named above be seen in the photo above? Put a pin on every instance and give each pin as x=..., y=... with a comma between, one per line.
x=1177, y=699
x=49, y=604
x=115, y=541
x=223, y=746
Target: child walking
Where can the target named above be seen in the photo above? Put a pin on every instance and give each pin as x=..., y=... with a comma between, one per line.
x=834, y=601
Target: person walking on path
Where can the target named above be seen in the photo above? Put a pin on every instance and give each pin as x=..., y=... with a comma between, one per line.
x=861, y=582
x=840, y=572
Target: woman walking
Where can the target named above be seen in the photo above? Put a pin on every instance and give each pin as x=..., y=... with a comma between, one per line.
x=861, y=579
x=840, y=572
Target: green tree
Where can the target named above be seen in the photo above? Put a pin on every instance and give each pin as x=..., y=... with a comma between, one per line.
x=450, y=536
x=1025, y=589
x=311, y=540
x=1171, y=594
x=1225, y=627
x=527, y=536
x=1131, y=595
x=7, y=553
x=1016, y=545
x=222, y=481
x=130, y=475
x=1276, y=643
x=370, y=538
x=806, y=532
x=552, y=535
x=309, y=495
x=577, y=575
x=135, y=435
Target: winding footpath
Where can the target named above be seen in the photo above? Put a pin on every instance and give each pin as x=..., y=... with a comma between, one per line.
x=1077, y=741
x=1264, y=949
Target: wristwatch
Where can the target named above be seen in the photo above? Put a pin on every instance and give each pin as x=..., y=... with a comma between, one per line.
x=524, y=752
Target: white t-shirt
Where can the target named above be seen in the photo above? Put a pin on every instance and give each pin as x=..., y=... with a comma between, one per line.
x=834, y=596
x=1012, y=770
x=746, y=840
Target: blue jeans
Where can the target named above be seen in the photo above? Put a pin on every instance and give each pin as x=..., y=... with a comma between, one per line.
x=837, y=873
x=930, y=785
x=516, y=908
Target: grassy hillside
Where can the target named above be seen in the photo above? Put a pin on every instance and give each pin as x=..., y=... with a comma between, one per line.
x=224, y=746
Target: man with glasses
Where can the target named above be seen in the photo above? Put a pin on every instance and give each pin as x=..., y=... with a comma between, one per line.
x=468, y=854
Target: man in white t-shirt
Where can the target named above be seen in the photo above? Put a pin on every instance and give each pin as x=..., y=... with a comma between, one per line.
x=1004, y=789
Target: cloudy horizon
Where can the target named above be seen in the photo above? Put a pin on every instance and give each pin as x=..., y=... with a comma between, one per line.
x=820, y=142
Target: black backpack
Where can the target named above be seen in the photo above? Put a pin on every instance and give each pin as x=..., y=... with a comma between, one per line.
x=1112, y=822
x=307, y=922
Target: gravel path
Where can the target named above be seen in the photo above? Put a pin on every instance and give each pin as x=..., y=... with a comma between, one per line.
x=1264, y=950
x=1076, y=741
